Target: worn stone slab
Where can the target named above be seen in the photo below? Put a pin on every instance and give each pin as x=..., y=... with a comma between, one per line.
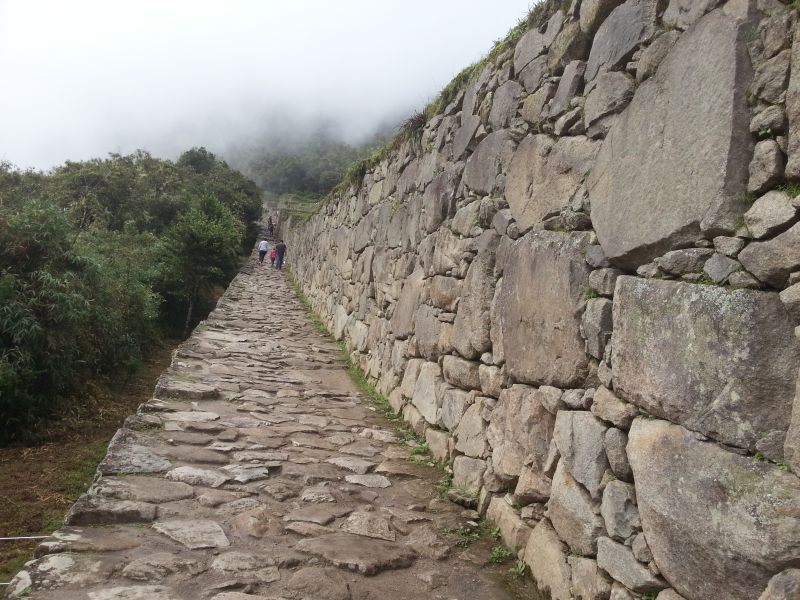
x=321, y=514
x=725, y=382
x=97, y=510
x=551, y=267
x=351, y=463
x=127, y=454
x=754, y=530
x=195, y=476
x=369, y=524
x=356, y=553
x=194, y=534
x=642, y=203
x=544, y=174
x=142, y=489
x=620, y=33
x=371, y=481
x=519, y=431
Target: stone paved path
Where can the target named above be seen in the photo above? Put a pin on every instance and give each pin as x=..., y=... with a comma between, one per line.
x=257, y=471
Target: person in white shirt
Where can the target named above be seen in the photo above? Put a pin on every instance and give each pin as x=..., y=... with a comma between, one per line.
x=263, y=246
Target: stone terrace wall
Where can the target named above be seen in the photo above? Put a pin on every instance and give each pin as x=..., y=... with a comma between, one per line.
x=582, y=288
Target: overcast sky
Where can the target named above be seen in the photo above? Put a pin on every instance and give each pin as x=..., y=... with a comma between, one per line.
x=83, y=78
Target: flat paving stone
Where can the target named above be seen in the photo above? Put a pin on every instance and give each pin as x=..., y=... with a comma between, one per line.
x=356, y=553
x=194, y=534
x=127, y=456
x=356, y=465
x=321, y=514
x=371, y=481
x=143, y=489
x=195, y=476
x=369, y=524
x=245, y=474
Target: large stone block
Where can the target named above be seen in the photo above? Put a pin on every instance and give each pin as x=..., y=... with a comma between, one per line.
x=618, y=561
x=536, y=41
x=520, y=431
x=546, y=555
x=625, y=28
x=580, y=438
x=594, y=12
x=611, y=93
x=471, y=329
x=461, y=373
x=471, y=431
x=513, y=530
x=574, y=515
x=504, y=104
x=588, y=581
x=619, y=510
x=403, y=316
x=454, y=404
x=428, y=393
x=428, y=331
x=784, y=586
x=468, y=474
x=445, y=292
x=438, y=201
x=490, y=158
x=684, y=13
x=544, y=174
x=644, y=203
x=772, y=260
x=695, y=355
x=731, y=524
x=540, y=301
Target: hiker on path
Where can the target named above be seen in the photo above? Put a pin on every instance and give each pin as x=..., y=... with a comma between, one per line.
x=263, y=246
x=273, y=255
x=280, y=254
x=270, y=226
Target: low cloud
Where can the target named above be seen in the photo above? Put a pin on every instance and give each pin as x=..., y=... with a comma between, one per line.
x=82, y=79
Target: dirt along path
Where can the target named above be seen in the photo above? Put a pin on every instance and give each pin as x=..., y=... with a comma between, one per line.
x=259, y=471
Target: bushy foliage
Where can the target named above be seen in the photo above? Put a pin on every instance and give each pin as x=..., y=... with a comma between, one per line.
x=98, y=259
x=314, y=168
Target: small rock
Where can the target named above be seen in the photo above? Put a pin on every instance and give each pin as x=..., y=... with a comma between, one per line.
x=729, y=246
x=371, y=481
x=719, y=267
x=766, y=168
x=783, y=586
x=680, y=262
x=769, y=214
x=608, y=407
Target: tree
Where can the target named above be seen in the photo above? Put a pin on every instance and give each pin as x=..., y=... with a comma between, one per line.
x=199, y=160
x=199, y=252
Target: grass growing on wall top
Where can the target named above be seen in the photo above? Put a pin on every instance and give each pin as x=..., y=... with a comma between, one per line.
x=411, y=129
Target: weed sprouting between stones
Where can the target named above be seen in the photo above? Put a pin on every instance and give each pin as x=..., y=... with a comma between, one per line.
x=500, y=554
x=467, y=535
x=518, y=570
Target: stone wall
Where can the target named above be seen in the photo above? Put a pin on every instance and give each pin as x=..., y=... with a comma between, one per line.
x=581, y=287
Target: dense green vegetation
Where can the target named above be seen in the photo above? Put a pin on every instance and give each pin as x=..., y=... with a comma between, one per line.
x=100, y=258
x=314, y=168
